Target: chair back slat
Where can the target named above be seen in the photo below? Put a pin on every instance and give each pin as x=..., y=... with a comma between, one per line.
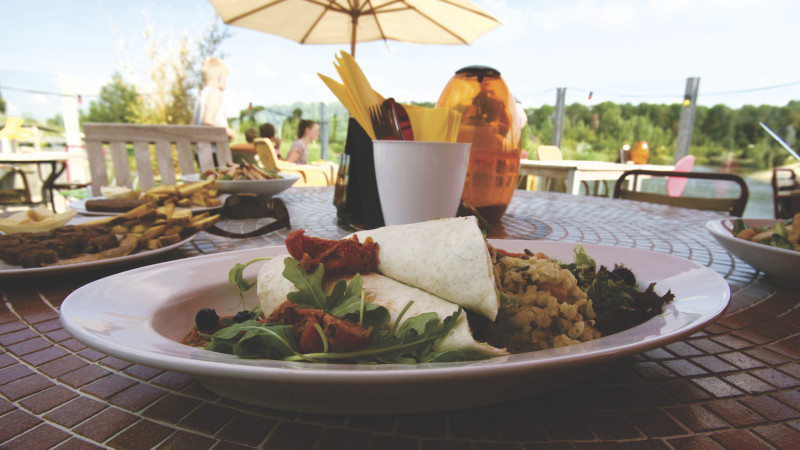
x=119, y=161
x=733, y=206
x=184, y=138
x=144, y=165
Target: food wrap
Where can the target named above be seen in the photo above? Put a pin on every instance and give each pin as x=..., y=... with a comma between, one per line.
x=272, y=288
x=447, y=257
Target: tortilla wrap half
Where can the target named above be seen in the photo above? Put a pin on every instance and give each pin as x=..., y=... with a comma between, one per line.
x=446, y=257
x=272, y=288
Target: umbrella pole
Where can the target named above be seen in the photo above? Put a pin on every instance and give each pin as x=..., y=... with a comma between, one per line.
x=353, y=36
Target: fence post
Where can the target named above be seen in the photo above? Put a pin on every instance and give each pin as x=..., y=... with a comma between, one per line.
x=686, y=124
x=323, y=130
x=558, y=117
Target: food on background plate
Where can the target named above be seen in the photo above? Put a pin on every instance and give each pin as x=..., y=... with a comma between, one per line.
x=241, y=171
x=34, y=220
x=541, y=303
x=784, y=234
x=201, y=194
x=143, y=228
x=119, y=192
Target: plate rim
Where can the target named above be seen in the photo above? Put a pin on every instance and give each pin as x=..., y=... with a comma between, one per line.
x=353, y=374
x=718, y=229
x=80, y=206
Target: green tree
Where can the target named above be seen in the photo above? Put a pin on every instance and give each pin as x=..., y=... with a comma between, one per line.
x=2, y=104
x=118, y=102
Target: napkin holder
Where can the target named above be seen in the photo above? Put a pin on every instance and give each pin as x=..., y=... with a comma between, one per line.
x=361, y=206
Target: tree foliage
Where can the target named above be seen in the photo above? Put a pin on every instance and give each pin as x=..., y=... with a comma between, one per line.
x=720, y=133
x=118, y=102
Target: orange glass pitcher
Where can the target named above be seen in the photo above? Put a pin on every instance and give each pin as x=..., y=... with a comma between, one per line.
x=490, y=122
x=640, y=152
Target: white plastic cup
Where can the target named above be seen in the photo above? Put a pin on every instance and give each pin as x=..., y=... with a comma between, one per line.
x=418, y=180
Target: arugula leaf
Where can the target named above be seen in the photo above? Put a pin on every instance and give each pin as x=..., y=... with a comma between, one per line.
x=582, y=260
x=236, y=277
x=738, y=226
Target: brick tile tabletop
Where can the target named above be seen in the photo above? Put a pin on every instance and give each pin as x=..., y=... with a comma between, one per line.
x=732, y=385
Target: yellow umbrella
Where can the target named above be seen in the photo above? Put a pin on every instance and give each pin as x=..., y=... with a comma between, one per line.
x=351, y=21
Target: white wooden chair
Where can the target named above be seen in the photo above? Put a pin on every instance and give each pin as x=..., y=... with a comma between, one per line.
x=118, y=136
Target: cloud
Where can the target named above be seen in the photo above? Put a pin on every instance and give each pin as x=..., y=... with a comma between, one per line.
x=38, y=99
x=264, y=70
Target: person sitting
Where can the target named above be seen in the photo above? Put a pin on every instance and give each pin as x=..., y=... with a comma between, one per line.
x=307, y=131
x=267, y=131
x=250, y=135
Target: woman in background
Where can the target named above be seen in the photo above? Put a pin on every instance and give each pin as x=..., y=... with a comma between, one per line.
x=307, y=131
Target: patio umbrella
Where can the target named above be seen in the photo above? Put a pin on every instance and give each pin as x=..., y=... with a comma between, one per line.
x=351, y=21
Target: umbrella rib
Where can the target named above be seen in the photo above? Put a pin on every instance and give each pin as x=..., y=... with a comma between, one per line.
x=481, y=13
x=253, y=11
x=328, y=7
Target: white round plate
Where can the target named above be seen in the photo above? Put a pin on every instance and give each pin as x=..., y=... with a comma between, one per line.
x=145, y=312
x=80, y=207
x=260, y=187
x=779, y=263
x=9, y=271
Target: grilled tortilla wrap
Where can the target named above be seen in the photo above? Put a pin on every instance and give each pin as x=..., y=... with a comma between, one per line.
x=446, y=257
x=272, y=289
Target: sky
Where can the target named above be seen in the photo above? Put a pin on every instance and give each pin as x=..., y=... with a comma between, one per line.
x=625, y=51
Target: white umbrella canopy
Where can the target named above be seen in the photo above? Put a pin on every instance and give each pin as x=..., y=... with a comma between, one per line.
x=351, y=21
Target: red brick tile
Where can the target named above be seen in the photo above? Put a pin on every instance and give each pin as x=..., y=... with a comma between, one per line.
x=474, y=426
x=788, y=348
x=75, y=412
x=770, y=408
x=247, y=429
x=43, y=436
x=195, y=389
x=650, y=444
x=735, y=413
x=143, y=372
x=652, y=371
x=791, y=398
x=6, y=360
x=73, y=345
x=183, y=440
x=744, y=318
x=58, y=335
x=296, y=436
x=776, y=378
x=44, y=356
x=143, y=435
x=372, y=423
x=208, y=418
x=611, y=425
x=24, y=387
x=173, y=380
x=695, y=443
x=17, y=336
x=714, y=364
x=682, y=349
x=106, y=424
x=512, y=427
x=717, y=387
x=741, y=360
x=732, y=342
x=684, y=391
x=37, y=314
x=115, y=363
x=78, y=444
x=560, y=426
x=779, y=435
x=225, y=445
x=716, y=328
x=13, y=373
x=614, y=398
x=658, y=354
x=58, y=367
x=697, y=418
x=29, y=346
x=171, y=408
x=791, y=369
x=47, y=399
x=752, y=336
x=50, y=325
x=6, y=406
x=15, y=423
x=83, y=376
x=346, y=439
x=137, y=397
x=767, y=356
x=649, y=396
x=91, y=355
x=10, y=327
x=749, y=383
x=776, y=329
x=709, y=346
x=106, y=387
x=655, y=423
x=685, y=368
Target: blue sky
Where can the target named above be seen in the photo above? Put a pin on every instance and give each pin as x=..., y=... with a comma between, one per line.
x=621, y=50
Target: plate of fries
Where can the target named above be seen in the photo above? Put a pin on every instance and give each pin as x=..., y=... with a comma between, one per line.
x=196, y=197
x=141, y=233
x=248, y=178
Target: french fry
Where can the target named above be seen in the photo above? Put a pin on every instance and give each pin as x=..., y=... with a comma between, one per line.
x=164, y=241
x=153, y=232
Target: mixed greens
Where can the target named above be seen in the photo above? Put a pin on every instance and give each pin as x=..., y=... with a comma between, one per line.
x=780, y=235
x=407, y=341
x=615, y=295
